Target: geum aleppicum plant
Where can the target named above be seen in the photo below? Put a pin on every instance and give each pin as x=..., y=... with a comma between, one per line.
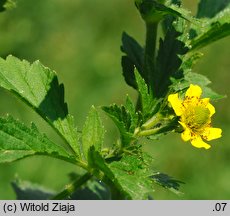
x=169, y=100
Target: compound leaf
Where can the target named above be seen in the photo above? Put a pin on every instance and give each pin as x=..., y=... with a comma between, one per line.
x=18, y=141
x=38, y=87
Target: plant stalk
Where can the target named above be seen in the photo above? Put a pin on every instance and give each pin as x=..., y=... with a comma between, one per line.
x=70, y=188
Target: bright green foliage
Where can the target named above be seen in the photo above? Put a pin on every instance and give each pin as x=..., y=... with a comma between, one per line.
x=155, y=72
x=180, y=85
x=92, y=132
x=133, y=174
x=123, y=120
x=198, y=79
x=147, y=100
x=38, y=86
x=6, y=4
x=153, y=11
x=130, y=175
x=133, y=114
x=209, y=8
x=18, y=141
x=126, y=119
x=212, y=29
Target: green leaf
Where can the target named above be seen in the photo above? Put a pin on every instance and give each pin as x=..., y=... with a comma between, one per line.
x=168, y=61
x=209, y=8
x=7, y=4
x=25, y=190
x=153, y=11
x=198, y=79
x=130, y=175
x=167, y=182
x=133, y=174
x=211, y=30
x=147, y=100
x=38, y=87
x=134, y=58
x=131, y=110
x=93, y=132
x=18, y=141
x=123, y=120
x=209, y=93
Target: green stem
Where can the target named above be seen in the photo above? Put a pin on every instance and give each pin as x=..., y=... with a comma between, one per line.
x=148, y=132
x=152, y=122
x=70, y=188
x=150, y=50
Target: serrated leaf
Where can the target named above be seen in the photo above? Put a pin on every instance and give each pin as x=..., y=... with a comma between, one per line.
x=130, y=175
x=209, y=8
x=38, y=87
x=211, y=30
x=93, y=132
x=209, y=93
x=167, y=182
x=25, y=190
x=133, y=175
x=153, y=11
x=130, y=108
x=198, y=79
x=18, y=141
x=168, y=61
x=147, y=101
x=134, y=58
x=123, y=120
x=128, y=71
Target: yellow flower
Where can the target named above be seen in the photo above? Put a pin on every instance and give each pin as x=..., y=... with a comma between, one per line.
x=195, y=117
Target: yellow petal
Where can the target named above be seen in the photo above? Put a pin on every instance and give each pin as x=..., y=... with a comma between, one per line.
x=183, y=125
x=176, y=103
x=211, y=109
x=194, y=91
x=199, y=143
x=205, y=101
x=186, y=135
x=212, y=133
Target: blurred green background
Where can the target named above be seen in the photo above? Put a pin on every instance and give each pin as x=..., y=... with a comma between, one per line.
x=81, y=41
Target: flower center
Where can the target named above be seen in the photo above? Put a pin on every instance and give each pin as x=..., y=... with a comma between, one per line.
x=196, y=117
